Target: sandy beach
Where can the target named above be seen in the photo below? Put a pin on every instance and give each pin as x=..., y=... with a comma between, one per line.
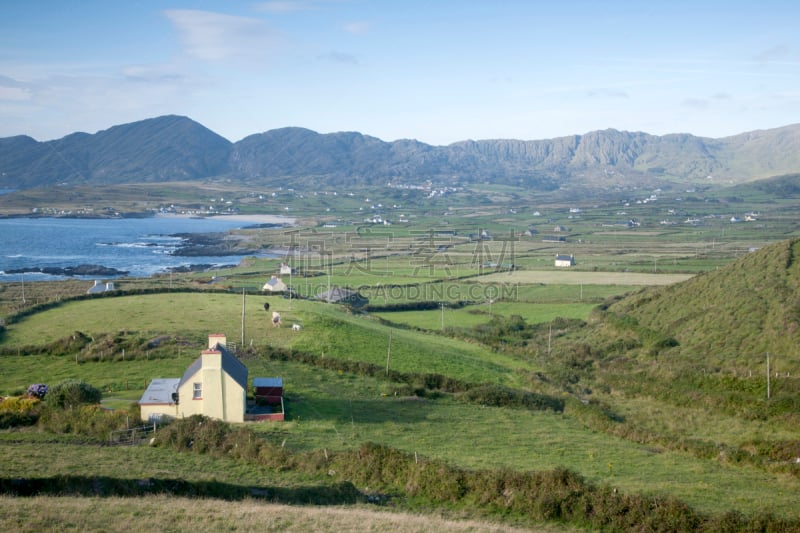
x=250, y=219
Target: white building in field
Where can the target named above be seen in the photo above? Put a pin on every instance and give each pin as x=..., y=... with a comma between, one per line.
x=275, y=285
x=100, y=287
x=563, y=260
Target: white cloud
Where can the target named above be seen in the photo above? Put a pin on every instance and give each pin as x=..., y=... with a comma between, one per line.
x=608, y=93
x=357, y=28
x=216, y=37
x=13, y=90
x=17, y=94
x=695, y=103
x=340, y=57
x=773, y=53
x=287, y=6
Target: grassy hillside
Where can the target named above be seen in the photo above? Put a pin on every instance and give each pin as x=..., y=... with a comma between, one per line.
x=733, y=316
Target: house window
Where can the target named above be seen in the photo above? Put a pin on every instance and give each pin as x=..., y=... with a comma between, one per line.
x=197, y=391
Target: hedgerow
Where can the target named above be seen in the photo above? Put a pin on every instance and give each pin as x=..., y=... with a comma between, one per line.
x=425, y=384
x=559, y=495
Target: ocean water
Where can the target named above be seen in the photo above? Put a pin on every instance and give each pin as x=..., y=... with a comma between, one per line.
x=140, y=246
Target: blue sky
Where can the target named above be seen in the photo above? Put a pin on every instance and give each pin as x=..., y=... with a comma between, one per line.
x=437, y=71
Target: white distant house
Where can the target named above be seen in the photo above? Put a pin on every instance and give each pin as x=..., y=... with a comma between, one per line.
x=285, y=269
x=275, y=285
x=563, y=260
x=100, y=287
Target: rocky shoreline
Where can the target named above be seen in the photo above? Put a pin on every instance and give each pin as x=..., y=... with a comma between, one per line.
x=213, y=244
x=80, y=270
x=218, y=244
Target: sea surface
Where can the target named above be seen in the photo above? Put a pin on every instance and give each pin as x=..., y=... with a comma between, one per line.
x=140, y=246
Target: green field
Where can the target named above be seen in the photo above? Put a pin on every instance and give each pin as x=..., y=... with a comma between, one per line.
x=336, y=410
x=473, y=315
x=639, y=414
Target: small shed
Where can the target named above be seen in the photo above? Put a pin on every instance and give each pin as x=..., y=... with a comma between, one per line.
x=268, y=390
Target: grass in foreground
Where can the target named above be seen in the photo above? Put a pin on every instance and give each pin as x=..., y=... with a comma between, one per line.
x=170, y=513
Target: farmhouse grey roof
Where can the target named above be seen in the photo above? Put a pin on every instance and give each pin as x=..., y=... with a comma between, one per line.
x=338, y=294
x=230, y=365
x=160, y=391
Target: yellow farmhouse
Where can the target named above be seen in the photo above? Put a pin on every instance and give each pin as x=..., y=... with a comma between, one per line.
x=214, y=385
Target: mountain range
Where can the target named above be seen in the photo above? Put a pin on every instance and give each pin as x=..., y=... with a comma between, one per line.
x=176, y=148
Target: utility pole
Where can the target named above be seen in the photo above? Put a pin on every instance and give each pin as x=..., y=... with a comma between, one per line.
x=330, y=267
x=388, y=352
x=243, y=308
x=767, y=375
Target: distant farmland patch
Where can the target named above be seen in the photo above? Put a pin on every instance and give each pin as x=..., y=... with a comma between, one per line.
x=576, y=277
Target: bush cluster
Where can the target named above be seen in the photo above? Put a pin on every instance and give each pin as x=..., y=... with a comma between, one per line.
x=499, y=396
x=71, y=407
x=122, y=345
x=88, y=420
x=72, y=393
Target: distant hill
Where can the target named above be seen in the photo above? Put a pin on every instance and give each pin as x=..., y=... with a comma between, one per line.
x=172, y=148
x=167, y=148
x=737, y=313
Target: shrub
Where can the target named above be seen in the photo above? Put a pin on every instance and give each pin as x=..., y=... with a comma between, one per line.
x=72, y=393
x=19, y=404
x=19, y=411
x=197, y=433
x=499, y=396
x=88, y=420
x=37, y=390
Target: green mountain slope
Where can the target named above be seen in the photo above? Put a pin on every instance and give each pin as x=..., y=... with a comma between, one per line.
x=734, y=315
